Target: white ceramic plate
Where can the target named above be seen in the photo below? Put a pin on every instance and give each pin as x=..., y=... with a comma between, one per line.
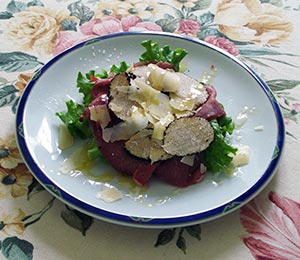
x=159, y=205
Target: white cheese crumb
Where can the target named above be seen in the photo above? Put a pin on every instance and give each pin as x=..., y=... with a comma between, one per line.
x=241, y=157
x=202, y=168
x=259, y=128
x=109, y=194
x=242, y=117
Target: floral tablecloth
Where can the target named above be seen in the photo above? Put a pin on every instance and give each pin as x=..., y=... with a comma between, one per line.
x=262, y=33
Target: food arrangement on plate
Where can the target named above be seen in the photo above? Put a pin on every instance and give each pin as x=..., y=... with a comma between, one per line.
x=80, y=170
x=151, y=118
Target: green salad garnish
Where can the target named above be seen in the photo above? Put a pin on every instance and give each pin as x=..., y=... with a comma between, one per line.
x=165, y=54
x=219, y=153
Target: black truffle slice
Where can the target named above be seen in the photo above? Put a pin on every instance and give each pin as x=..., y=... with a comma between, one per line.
x=119, y=102
x=188, y=135
x=141, y=145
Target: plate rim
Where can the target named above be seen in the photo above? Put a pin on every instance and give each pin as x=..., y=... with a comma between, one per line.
x=126, y=220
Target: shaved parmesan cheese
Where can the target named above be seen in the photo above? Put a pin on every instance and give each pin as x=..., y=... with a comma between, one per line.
x=188, y=160
x=160, y=126
x=161, y=108
x=100, y=114
x=109, y=194
x=156, y=76
x=107, y=133
x=150, y=118
x=241, y=157
x=141, y=72
x=157, y=154
x=67, y=166
x=76, y=160
x=191, y=89
x=180, y=103
x=162, y=79
x=65, y=139
x=171, y=82
x=203, y=168
x=140, y=92
x=152, y=101
x=126, y=129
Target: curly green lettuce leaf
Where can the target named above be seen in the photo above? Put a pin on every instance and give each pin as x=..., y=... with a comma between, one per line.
x=93, y=150
x=218, y=155
x=72, y=118
x=118, y=69
x=225, y=125
x=85, y=82
x=85, y=85
x=165, y=54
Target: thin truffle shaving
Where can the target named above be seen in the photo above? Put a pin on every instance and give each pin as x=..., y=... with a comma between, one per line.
x=188, y=135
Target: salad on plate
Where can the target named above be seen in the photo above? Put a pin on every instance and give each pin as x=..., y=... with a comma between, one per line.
x=151, y=119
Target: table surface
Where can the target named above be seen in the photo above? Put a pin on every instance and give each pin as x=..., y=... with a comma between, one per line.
x=264, y=34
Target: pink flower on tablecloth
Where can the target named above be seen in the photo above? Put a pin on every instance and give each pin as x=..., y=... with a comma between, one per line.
x=286, y=121
x=189, y=27
x=129, y=22
x=296, y=106
x=145, y=26
x=274, y=228
x=67, y=39
x=102, y=26
x=105, y=25
x=223, y=44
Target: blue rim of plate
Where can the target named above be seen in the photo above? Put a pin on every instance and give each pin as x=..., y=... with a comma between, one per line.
x=141, y=221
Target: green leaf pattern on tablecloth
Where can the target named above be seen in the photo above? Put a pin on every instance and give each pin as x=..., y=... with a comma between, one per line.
x=192, y=18
x=77, y=220
x=6, y=15
x=81, y=11
x=69, y=25
x=17, y=62
x=34, y=188
x=7, y=95
x=16, y=7
x=168, y=235
x=14, y=248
